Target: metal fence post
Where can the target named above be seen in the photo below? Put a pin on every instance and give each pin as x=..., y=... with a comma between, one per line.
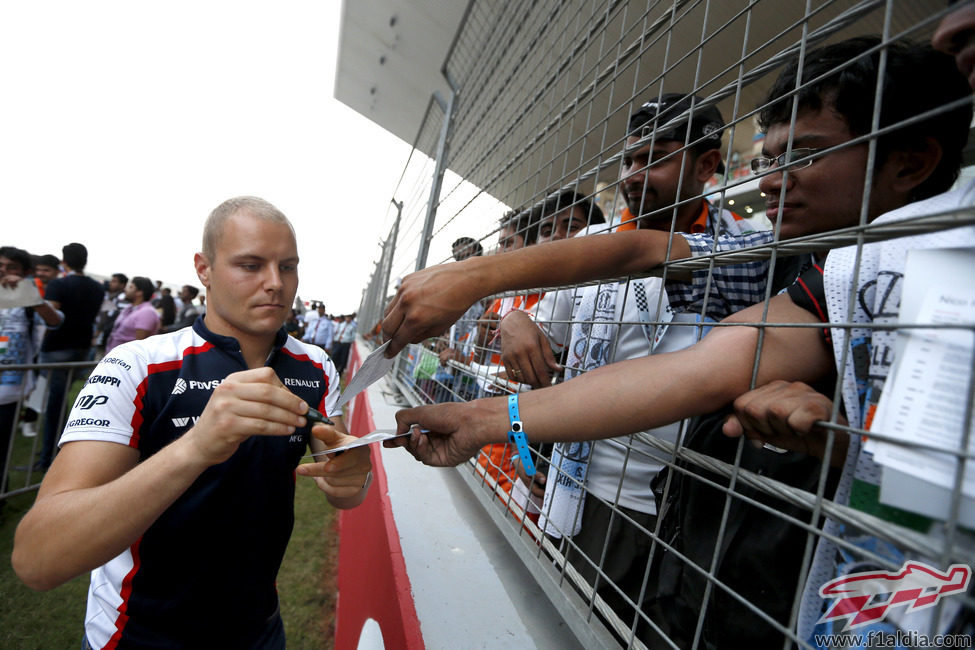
x=441, y=166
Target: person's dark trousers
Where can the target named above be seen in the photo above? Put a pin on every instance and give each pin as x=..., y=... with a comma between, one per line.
x=57, y=383
x=340, y=356
x=625, y=563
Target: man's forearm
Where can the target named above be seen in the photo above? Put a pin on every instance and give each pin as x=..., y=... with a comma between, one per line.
x=574, y=260
x=631, y=396
x=72, y=530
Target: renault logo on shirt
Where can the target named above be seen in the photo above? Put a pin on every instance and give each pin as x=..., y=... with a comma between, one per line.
x=303, y=383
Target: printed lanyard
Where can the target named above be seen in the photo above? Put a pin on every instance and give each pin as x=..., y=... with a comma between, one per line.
x=653, y=338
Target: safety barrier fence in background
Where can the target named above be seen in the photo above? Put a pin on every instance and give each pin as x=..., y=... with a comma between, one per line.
x=21, y=471
x=542, y=94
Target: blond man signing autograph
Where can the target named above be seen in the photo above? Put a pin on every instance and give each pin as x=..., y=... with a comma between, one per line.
x=175, y=481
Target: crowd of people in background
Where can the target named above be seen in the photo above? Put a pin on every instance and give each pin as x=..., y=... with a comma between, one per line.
x=332, y=333
x=76, y=319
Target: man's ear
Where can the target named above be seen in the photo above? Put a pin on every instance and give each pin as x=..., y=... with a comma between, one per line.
x=911, y=167
x=707, y=165
x=202, y=266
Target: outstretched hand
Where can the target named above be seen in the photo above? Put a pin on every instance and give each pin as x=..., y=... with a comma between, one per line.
x=456, y=431
x=427, y=303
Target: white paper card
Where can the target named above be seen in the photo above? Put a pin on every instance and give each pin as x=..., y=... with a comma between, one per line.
x=372, y=370
x=25, y=294
x=376, y=436
x=924, y=395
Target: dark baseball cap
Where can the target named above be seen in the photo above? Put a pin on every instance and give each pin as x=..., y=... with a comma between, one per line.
x=706, y=123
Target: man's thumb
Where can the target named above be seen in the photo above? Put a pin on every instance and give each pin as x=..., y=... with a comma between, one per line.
x=327, y=434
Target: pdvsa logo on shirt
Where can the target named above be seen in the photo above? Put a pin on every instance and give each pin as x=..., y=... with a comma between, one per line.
x=182, y=385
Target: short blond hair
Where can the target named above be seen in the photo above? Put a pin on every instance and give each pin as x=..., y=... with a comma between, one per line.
x=252, y=205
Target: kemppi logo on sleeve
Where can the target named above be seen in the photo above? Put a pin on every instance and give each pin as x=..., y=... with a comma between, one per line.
x=107, y=380
x=86, y=402
x=867, y=597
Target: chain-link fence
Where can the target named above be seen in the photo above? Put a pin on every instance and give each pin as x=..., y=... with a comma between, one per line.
x=572, y=115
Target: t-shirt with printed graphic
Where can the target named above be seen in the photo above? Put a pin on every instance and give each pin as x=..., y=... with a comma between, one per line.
x=20, y=336
x=864, y=355
x=203, y=573
x=621, y=469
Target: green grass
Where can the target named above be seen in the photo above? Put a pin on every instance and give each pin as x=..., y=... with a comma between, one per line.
x=55, y=619
x=307, y=581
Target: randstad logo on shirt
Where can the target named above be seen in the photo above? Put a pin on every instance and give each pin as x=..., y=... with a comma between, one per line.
x=182, y=385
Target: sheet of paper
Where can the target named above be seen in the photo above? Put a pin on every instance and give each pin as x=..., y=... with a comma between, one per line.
x=924, y=395
x=25, y=294
x=372, y=370
x=376, y=436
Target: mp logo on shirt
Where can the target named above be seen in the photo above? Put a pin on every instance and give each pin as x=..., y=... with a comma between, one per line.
x=867, y=597
x=86, y=402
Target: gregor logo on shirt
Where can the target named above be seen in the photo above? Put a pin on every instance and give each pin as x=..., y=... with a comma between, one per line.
x=89, y=422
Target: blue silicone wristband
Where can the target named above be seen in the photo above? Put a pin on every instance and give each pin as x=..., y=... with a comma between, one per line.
x=516, y=435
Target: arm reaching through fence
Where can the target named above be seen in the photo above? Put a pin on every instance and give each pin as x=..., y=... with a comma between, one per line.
x=630, y=396
x=429, y=301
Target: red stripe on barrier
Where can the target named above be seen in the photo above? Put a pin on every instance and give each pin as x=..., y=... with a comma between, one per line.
x=372, y=578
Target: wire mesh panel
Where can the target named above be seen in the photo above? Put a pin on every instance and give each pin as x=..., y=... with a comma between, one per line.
x=710, y=240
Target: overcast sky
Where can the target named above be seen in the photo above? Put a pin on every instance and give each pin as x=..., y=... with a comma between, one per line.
x=124, y=123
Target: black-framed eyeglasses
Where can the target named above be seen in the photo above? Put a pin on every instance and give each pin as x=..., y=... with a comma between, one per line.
x=764, y=163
